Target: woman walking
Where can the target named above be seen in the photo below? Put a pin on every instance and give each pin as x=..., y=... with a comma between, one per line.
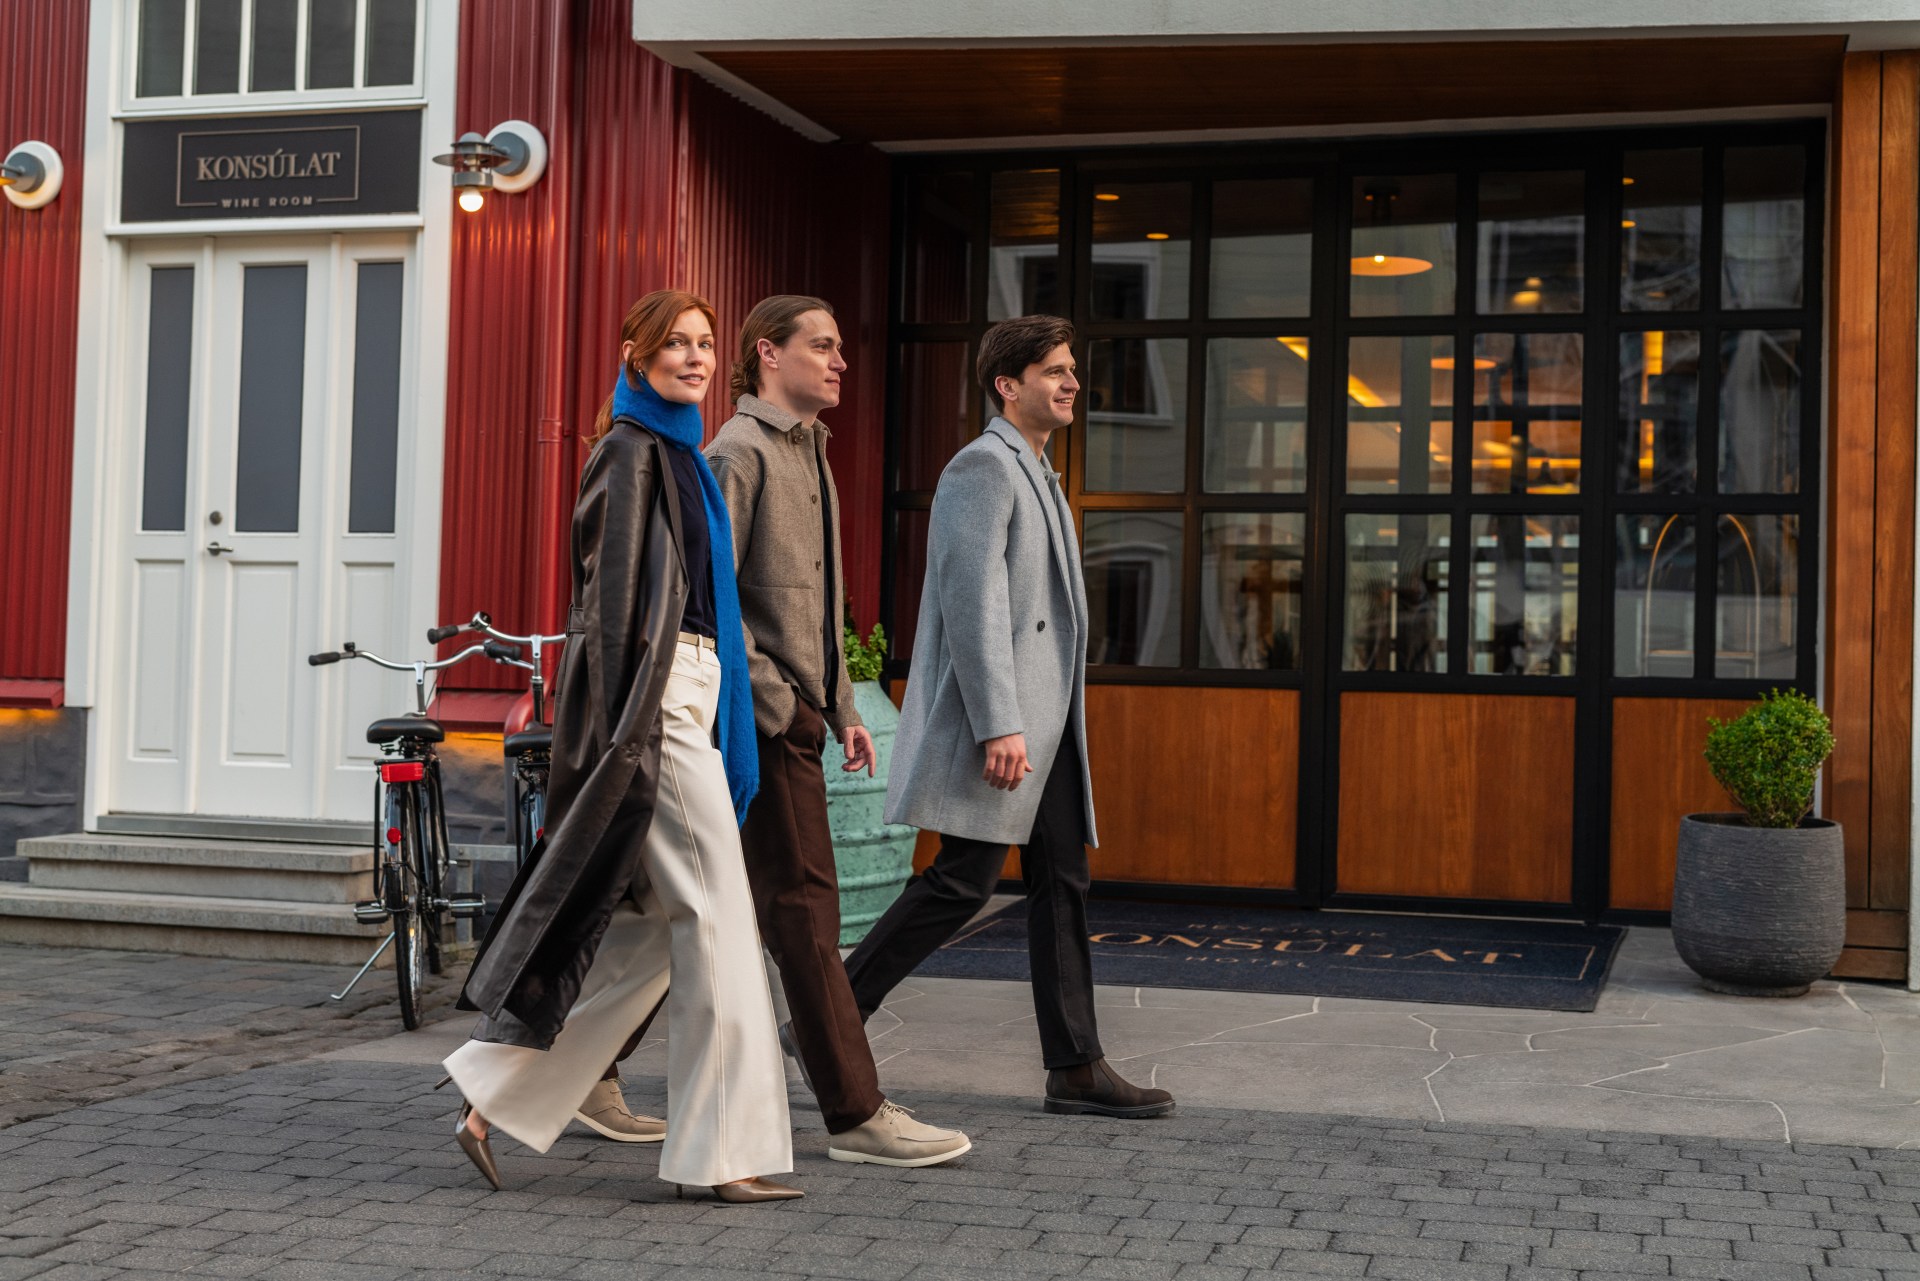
x=641, y=874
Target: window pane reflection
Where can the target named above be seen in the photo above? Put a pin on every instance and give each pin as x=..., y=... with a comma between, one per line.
x=1251, y=568
x=390, y=28
x=330, y=26
x=1526, y=594
x=1660, y=231
x=1024, y=252
x=909, y=573
x=1136, y=395
x=216, y=47
x=934, y=424
x=1256, y=416
x=1393, y=446
x=1396, y=605
x=1403, y=246
x=1133, y=562
x=1659, y=411
x=1764, y=227
x=163, y=48
x=1654, y=562
x=1532, y=241
x=1760, y=411
x=934, y=266
x=1142, y=250
x=1759, y=585
x=1262, y=248
x=1526, y=429
x=275, y=44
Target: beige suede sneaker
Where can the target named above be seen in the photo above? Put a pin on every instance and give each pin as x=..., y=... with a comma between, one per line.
x=604, y=1111
x=891, y=1137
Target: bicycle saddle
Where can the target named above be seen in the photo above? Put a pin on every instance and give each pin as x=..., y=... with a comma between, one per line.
x=388, y=728
x=535, y=738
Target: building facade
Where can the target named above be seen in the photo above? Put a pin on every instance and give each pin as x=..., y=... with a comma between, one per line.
x=1471, y=410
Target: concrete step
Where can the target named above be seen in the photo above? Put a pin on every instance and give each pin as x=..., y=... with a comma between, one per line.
x=283, y=872
x=201, y=925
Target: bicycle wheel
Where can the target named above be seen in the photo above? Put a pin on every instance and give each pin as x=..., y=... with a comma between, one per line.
x=409, y=934
x=530, y=813
x=431, y=869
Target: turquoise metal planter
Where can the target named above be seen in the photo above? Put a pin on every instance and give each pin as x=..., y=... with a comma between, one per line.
x=874, y=858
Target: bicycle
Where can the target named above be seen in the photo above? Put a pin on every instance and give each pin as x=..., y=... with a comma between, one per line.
x=411, y=853
x=528, y=747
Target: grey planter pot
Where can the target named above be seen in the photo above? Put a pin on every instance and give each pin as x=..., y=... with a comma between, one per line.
x=1759, y=911
x=873, y=858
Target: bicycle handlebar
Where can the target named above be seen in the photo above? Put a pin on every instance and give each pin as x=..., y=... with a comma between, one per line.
x=480, y=622
x=318, y=660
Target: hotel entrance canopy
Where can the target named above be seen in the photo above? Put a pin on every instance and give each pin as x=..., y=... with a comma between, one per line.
x=924, y=75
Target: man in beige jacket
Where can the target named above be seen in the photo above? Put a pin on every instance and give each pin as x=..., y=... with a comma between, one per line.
x=771, y=462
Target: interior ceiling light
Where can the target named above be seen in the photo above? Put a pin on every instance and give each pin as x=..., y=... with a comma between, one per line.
x=1479, y=362
x=1389, y=265
x=1626, y=182
x=1526, y=298
x=1108, y=196
x=1157, y=235
x=1628, y=222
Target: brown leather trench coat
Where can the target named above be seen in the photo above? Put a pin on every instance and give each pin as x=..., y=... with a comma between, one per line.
x=629, y=594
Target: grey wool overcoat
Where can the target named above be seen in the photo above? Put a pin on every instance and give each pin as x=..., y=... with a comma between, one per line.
x=1001, y=646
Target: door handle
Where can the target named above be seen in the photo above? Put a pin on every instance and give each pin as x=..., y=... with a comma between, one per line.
x=215, y=549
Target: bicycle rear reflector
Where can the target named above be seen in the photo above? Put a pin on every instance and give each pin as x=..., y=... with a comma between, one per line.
x=403, y=772
x=393, y=836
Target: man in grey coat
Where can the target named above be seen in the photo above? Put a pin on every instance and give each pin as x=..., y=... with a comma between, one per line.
x=996, y=694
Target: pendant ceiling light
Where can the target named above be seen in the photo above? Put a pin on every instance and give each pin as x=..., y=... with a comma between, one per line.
x=1380, y=197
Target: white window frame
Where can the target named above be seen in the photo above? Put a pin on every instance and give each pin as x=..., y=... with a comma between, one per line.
x=190, y=103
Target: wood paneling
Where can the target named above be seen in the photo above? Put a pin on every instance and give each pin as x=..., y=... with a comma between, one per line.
x=1871, y=963
x=1868, y=683
x=1195, y=786
x=1456, y=796
x=930, y=93
x=1659, y=777
x=1190, y=786
x=1893, y=473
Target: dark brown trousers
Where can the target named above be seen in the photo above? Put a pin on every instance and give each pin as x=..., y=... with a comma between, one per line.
x=796, y=894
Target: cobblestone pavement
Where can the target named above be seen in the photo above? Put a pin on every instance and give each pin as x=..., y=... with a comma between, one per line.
x=316, y=1171
x=79, y=1026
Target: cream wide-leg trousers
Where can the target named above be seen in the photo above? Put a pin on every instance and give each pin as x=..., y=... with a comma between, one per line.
x=726, y=1083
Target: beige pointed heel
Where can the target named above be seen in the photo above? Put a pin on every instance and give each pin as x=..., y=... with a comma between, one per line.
x=477, y=1149
x=747, y=1192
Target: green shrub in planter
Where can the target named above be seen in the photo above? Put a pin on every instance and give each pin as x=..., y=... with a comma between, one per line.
x=1759, y=898
x=873, y=858
x=1769, y=756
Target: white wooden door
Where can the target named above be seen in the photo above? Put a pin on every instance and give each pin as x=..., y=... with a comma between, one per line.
x=267, y=380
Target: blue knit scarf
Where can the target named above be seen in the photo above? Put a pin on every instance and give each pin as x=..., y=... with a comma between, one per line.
x=680, y=426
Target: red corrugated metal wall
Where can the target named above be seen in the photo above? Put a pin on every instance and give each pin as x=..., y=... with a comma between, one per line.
x=675, y=183
x=43, y=95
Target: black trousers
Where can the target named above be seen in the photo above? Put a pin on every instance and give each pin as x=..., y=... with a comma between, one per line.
x=935, y=904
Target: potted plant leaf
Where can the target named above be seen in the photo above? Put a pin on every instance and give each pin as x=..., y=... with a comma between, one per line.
x=1759, y=896
x=872, y=857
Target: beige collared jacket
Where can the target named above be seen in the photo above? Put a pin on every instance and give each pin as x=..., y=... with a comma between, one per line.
x=772, y=469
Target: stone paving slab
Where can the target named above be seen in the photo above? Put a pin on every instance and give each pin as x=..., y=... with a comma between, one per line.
x=347, y=1170
x=80, y=1025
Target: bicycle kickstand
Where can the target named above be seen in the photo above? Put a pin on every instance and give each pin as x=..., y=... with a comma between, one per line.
x=341, y=995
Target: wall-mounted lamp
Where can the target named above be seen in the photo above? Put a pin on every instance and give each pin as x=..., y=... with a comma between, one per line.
x=31, y=174
x=511, y=158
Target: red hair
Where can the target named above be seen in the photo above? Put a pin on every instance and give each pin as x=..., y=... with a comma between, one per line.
x=648, y=324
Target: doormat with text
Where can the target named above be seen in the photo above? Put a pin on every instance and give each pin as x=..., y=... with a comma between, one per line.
x=1538, y=965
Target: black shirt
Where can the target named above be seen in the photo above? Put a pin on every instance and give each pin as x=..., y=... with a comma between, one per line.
x=696, y=546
